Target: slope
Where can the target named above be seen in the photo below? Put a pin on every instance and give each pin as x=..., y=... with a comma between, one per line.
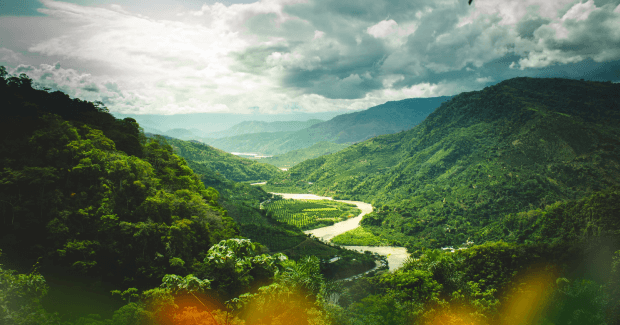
x=89, y=193
x=230, y=166
x=294, y=157
x=387, y=118
x=518, y=145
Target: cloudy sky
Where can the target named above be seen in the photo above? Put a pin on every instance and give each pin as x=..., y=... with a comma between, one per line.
x=277, y=56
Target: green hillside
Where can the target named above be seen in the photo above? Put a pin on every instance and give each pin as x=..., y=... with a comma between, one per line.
x=519, y=145
x=387, y=118
x=89, y=193
x=90, y=204
x=294, y=157
x=230, y=166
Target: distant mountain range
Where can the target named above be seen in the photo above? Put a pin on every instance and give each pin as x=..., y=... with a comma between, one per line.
x=201, y=124
x=391, y=117
x=519, y=145
x=247, y=127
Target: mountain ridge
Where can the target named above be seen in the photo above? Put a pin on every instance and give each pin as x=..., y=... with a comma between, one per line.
x=521, y=144
x=390, y=117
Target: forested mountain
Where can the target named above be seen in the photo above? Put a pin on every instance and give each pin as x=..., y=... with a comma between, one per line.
x=90, y=194
x=519, y=145
x=220, y=162
x=87, y=191
x=247, y=127
x=387, y=118
x=294, y=157
x=88, y=198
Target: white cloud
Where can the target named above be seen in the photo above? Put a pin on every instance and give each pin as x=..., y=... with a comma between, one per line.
x=484, y=79
x=583, y=32
x=390, y=30
x=8, y=56
x=194, y=62
x=383, y=28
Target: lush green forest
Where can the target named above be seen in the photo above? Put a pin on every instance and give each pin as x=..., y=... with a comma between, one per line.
x=89, y=196
x=294, y=157
x=520, y=145
x=390, y=117
x=520, y=178
x=223, y=163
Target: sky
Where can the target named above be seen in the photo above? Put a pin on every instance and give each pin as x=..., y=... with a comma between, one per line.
x=287, y=56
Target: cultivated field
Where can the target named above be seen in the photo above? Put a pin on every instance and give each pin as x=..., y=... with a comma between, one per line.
x=311, y=214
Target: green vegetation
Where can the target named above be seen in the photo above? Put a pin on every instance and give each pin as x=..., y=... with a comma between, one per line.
x=359, y=237
x=527, y=169
x=310, y=214
x=68, y=194
x=495, y=283
x=294, y=157
x=126, y=213
x=276, y=188
x=227, y=165
x=217, y=294
x=476, y=159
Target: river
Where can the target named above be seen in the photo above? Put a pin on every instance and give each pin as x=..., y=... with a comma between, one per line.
x=396, y=256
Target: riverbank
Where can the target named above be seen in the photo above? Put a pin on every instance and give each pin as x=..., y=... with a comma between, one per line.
x=396, y=256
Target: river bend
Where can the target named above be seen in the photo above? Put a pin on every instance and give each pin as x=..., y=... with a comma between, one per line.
x=396, y=256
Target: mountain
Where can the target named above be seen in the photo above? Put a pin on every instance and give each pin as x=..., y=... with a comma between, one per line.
x=521, y=144
x=181, y=133
x=247, y=127
x=229, y=166
x=90, y=194
x=216, y=122
x=391, y=117
x=294, y=157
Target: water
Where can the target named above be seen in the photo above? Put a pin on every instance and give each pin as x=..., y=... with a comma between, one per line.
x=396, y=256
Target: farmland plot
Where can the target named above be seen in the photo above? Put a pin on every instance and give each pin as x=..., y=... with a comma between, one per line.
x=311, y=214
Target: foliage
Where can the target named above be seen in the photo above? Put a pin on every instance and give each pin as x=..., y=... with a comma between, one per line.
x=68, y=194
x=20, y=298
x=236, y=264
x=495, y=283
x=294, y=157
x=519, y=145
x=310, y=214
x=359, y=237
x=229, y=166
x=243, y=203
x=291, y=299
x=580, y=220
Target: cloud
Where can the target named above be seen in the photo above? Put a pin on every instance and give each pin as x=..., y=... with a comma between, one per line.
x=383, y=28
x=8, y=56
x=583, y=32
x=276, y=56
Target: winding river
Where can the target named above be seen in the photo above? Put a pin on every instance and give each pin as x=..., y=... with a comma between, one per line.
x=396, y=256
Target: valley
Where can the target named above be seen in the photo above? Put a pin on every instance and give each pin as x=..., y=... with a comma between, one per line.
x=523, y=173
x=396, y=256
